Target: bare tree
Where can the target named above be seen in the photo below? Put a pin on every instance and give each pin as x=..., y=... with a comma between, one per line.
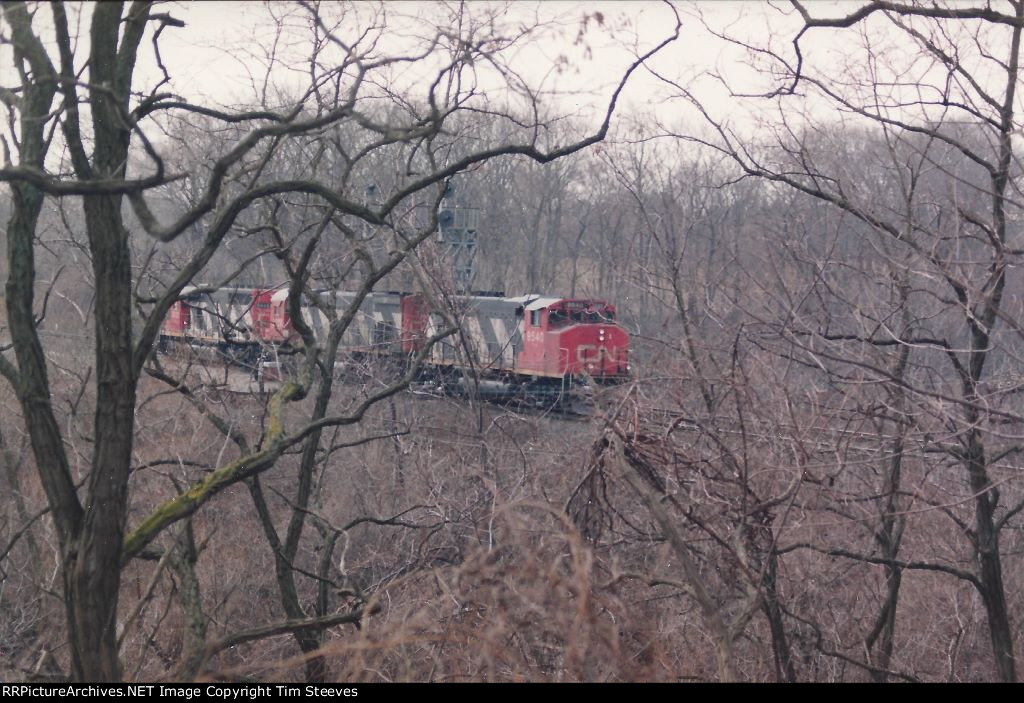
x=935, y=187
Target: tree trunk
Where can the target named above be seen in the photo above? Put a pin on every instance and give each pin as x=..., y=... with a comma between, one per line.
x=990, y=570
x=93, y=567
x=784, y=669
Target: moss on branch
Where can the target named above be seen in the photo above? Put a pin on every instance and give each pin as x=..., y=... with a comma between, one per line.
x=199, y=493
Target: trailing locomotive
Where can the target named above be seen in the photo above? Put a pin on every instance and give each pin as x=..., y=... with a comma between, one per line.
x=528, y=346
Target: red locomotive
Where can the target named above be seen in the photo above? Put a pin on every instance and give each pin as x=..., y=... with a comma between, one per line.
x=519, y=345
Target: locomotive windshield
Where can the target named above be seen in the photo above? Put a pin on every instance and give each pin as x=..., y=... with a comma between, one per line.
x=576, y=312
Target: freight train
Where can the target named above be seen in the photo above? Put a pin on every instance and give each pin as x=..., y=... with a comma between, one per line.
x=530, y=346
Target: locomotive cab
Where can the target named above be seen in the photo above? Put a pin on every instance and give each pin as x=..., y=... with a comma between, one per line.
x=573, y=337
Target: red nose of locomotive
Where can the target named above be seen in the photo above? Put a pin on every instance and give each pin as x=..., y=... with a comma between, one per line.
x=599, y=350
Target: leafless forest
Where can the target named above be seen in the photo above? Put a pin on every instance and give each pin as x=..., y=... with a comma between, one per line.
x=814, y=473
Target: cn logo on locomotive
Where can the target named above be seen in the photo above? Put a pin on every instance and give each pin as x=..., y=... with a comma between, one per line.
x=592, y=352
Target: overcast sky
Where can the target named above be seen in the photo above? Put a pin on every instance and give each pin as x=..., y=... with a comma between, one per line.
x=210, y=59
x=219, y=56
x=213, y=57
